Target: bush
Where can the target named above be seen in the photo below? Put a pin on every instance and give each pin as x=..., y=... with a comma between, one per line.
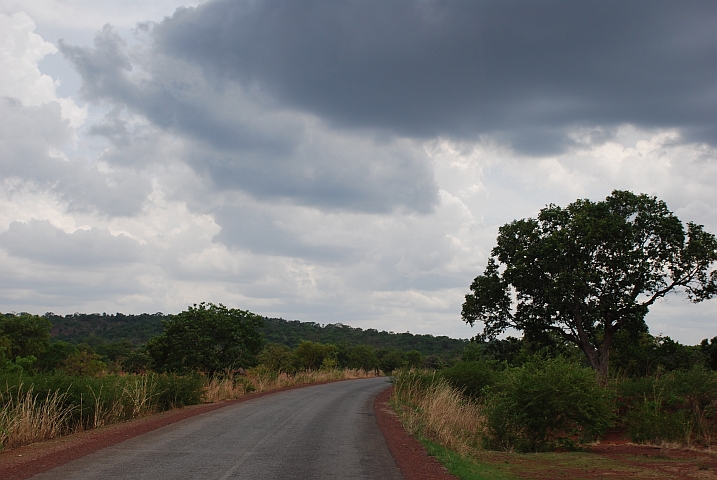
x=679, y=406
x=177, y=391
x=471, y=377
x=546, y=404
x=641, y=354
x=414, y=359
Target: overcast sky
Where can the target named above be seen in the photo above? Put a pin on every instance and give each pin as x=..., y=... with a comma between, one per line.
x=334, y=161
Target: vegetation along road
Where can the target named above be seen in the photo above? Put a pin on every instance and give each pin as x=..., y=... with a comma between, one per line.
x=322, y=431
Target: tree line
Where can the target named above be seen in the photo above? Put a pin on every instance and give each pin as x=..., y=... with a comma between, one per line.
x=213, y=338
x=205, y=338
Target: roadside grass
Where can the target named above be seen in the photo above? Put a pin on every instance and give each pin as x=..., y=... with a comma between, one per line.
x=453, y=428
x=264, y=379
x=573, y=465
x=261, y=379
x=463, y=467
x=42, y=407
x=33, y=418
x=429, y=407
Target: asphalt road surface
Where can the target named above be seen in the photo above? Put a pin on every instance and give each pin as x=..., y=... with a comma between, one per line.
x=316, y=432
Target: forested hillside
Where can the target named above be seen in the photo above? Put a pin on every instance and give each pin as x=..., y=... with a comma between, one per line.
x=277, y=330
x=96, y=328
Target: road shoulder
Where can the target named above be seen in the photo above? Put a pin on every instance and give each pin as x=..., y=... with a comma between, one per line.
x=410, y=456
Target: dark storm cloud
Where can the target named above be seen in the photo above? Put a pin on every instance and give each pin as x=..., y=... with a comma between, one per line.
x=526, y=70
x=42, y=242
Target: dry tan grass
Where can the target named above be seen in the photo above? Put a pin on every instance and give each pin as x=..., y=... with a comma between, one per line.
x=263, y=382
x=261, y=379
x=431, y=407
x=30, y=418
x=221, y=388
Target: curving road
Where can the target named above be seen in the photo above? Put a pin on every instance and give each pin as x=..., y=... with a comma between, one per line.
x=322, y=431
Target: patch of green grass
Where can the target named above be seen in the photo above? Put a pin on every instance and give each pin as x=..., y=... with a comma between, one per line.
x=465, y=468
x=505, y=465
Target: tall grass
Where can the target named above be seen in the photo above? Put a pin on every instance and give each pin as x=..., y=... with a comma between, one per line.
x=29, y=417
x=134, y=397
x=428, y=406
x=36, y=408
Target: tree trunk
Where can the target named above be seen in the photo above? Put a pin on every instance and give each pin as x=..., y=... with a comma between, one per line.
x=603, y=353
x=599, y=358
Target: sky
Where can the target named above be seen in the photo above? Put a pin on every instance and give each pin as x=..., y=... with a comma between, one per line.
x=334, y=161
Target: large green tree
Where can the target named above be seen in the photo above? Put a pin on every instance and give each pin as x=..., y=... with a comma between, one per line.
x=589, y=270
x=207, y=338
x=23, y=335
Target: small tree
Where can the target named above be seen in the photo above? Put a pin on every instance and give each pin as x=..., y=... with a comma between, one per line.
x=207, y=338
x=590, y=270
x=311, y=355
x=278, y=358
x=83, y=363
x=362, y=357
x=393, y=360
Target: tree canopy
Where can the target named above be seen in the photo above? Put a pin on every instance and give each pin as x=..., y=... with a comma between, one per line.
x=207, y=338
x=589, y=270
x=23, y=336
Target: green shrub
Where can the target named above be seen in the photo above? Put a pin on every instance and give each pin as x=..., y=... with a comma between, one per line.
x=471, y=377
x=679, y=406
x=649, y=423
x=546, y=404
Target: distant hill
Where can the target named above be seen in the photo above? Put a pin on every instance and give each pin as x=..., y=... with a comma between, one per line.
x=79, y=327
x=290, y=332
x=138, y=329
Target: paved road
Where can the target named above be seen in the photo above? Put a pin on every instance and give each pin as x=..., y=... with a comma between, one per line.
x=317, y=432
